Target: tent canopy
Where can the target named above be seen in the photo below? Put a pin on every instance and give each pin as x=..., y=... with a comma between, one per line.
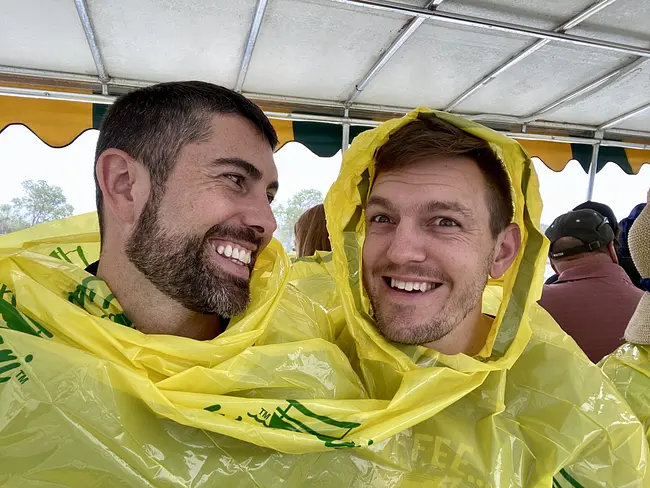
x=576, y=72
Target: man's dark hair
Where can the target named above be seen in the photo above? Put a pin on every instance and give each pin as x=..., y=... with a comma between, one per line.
x=431, y=137
x=153, y=124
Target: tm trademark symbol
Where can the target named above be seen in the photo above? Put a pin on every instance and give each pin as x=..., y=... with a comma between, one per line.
x=264, y=414
x=21, y=376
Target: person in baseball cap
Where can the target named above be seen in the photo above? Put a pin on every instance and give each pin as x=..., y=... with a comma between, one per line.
x=589, y=227
x=608, y=213
x=593, y=298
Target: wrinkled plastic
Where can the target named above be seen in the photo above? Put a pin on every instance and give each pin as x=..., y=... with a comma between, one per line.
x=283, y=397
x=86, y=400
x=629, y=369
x=529, y=407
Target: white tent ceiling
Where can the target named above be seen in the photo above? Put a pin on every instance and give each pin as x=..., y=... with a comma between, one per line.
x=311, y=54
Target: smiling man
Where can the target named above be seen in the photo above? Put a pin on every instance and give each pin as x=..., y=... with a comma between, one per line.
x=438, y=224
x=438, y=262
x=185, y=177
x=160, y=363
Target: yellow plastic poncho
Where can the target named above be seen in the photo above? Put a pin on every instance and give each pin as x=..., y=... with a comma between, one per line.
x=629, y=369
x=629, y=366
x=87, y=401
x=529, y=411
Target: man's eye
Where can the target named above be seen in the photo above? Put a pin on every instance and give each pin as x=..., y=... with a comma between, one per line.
x=237, y=179
x=445, y=222
x=380, y=219
x=271, y=197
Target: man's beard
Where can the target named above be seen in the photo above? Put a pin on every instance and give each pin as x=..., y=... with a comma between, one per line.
x=394, y=321
x=179, y=265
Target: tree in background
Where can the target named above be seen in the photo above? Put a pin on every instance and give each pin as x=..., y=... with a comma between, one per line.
x=41, y=203
x=9, y=221
x=289, y=213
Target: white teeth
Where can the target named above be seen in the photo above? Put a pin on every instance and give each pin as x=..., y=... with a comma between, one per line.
x=243, y=256
x=410, y=285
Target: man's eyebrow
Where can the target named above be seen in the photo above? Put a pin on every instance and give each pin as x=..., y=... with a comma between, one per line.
x=428, y=207
x=274, y=185
x=380, y=202
x=438, y=206
x=245, y=166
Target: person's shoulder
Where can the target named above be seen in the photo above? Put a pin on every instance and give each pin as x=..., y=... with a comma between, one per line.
x=551, y=293
x=549, y=344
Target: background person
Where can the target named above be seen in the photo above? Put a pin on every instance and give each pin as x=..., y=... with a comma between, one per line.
x=605, y=211
x=625, y=257
x=593, y=298
x=311, y=232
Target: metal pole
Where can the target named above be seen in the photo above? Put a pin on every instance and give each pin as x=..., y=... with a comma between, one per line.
x=84, y=16
x=621, y=118
x=250, y=43
x=56, y=95
x=495, y=25
x=574, y=140
x=405, y=33
x=598, y=84
x=593, y=169
x=109, y=99
x=345, y=143
x=521, y=55
x=327, y=119
x=54, y=75
x=310, y=103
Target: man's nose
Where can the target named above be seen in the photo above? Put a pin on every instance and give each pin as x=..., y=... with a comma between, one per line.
x=259, y=217
x=407, y=246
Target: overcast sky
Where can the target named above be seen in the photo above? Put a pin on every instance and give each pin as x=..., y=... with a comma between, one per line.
x=23, y=156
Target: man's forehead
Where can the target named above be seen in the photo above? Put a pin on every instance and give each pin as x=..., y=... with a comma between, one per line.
x=232, y=136
x=455, y=184
x=440, y=175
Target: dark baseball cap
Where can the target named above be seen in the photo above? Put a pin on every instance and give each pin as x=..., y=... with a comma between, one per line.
x=589, y=226
x=602, y=209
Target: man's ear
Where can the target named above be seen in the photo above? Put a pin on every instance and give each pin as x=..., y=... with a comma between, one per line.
x=124, y=183
x=612, y=252
x=506, y=250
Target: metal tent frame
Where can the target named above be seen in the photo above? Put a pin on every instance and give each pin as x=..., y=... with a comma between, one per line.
x=347, y=111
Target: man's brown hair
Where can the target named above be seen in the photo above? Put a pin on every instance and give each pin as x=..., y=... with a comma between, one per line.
x=153, y=124
x=311, y=232
x=431, y=137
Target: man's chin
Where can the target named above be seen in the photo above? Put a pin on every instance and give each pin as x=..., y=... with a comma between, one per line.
x=405, y=330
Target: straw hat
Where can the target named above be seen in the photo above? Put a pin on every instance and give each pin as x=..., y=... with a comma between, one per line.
x=638, y=330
